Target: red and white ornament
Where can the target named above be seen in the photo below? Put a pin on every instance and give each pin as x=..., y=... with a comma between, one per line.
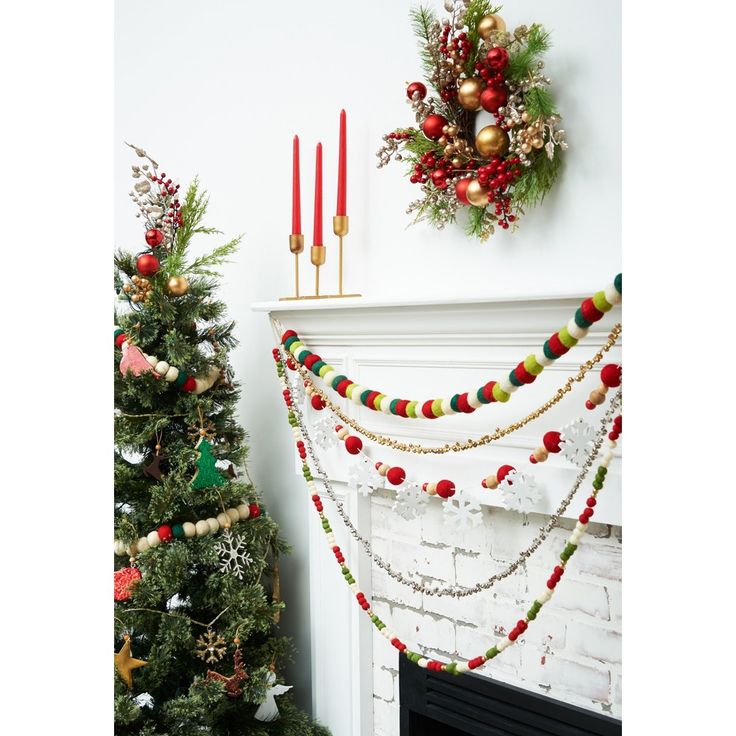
x=125, y=581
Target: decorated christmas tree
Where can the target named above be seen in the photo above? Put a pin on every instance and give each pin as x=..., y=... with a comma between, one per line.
x=197, y=649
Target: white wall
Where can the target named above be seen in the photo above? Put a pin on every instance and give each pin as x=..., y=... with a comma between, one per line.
x=218, y=89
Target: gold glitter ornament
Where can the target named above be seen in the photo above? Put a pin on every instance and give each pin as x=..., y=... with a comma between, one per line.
x=210, y=647
x=177, y=286
x=125, y=663
x=489, y=24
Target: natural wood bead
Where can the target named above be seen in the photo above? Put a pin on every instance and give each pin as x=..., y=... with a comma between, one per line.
x=540, y=454
x=492, y=482
x=383, y=468
x=431, y=489
x=597, y=397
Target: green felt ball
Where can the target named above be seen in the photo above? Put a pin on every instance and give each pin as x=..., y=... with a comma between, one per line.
x=618, y=284
x=178, y=531
x=600, y=302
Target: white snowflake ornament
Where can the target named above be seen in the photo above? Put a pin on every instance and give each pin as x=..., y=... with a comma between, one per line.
x=323, y=433
x=363, y=477
x=234, y=556
x=462, y=512
x=411, y=501
x=144, y=700
x=577, y=441
x=268, y=710
x=519, y=492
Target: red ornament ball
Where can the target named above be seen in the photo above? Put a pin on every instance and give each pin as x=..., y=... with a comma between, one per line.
x=551, y=441
x=154, y=237
x=255, y=511
x=147, y=264
x=432, y=126
x=318, y=402
x=353, y=444
x=416, y=87
x=497, y=58
x=439, y=178
x=503, y=471
x=445, y=488
x=611, y=375
x=491, y=98
x=164, y=533
x=461, y=190
x=125, y=580
x=396, y=475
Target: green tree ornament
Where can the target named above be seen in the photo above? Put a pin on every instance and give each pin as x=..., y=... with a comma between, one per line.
x=207, y=475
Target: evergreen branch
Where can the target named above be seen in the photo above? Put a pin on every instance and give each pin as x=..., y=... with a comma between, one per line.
x=521, y=63
x=204, y=264
x=539, y=103
x=537, y=180
x=420, y=144
x=422, y=18
x=474, y=225
x=474, y=12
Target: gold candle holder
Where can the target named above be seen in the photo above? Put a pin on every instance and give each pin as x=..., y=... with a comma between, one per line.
x=340, y=226
x=296, y=246
x=318, y=255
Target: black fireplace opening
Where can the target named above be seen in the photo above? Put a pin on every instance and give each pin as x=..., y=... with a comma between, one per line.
x=440, y=704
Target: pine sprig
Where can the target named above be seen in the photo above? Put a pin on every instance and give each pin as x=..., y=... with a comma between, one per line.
x=419, y=144
x=422, y=18
x=539, y=103
x=537, y=180
x=522, y=62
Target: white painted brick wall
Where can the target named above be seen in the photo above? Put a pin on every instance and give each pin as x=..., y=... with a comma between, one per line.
x=571, y=652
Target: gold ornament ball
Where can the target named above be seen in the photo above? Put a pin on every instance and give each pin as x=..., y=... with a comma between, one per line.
x=492, y=141
x=537, y=142
x=178, y=286
x=477, y=194
x=469, y=93
x=489, y=24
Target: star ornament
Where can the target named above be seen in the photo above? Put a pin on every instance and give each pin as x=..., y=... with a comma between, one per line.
x=125, y=663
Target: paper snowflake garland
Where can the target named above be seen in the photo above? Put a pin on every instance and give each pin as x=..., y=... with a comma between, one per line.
x=323, y=433
x=144, y=700
x=462, y=512
x=519, y=492
x=268, y=710
x=363, y=477
x=577, y=441
x=234, y=556
x=411, y=502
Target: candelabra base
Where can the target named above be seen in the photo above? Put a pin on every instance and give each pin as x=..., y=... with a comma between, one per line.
x=313, y=297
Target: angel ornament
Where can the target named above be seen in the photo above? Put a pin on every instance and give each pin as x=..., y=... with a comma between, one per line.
x=268, y=710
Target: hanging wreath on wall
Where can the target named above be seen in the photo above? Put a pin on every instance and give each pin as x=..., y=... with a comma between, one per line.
x=474, y=64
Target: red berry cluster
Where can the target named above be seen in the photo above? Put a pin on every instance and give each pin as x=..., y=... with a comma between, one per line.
x=169, y=189
x=460, y=44
x=615, y=433
x=498, y=175
x=399, y=135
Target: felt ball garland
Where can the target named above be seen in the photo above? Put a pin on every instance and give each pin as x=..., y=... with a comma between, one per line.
x=161, y=369
x=610, y=378
x=460, y=666
x=394, y=475
x=189, y=529
x=590, y=311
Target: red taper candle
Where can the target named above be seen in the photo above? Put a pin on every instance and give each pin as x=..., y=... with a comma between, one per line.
x=342, y=169
x=317, y=240
x=296, y=199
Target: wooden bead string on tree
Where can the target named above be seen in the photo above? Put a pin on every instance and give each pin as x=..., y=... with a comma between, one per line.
x=610, y=378
x=171, y=374
x=470, y=444
x=306, y=449
x=188, y=529
x=461, y=666
x=589, y=312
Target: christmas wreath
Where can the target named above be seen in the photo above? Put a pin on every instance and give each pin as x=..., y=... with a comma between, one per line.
x=474, y=64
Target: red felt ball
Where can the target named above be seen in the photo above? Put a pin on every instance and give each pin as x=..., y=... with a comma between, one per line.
x=290, y=364
x=503, y=471
x=255, y=511
x=401, y=407
x=154, y=237
x=589, y=404
x=164, y=533
x=497, y=58
x=611, y=375
x=342, y=387
x=125, y=580
x=396, y=475
x=416, y=87
x=318, y=403
x=461, y=189
x=491, y=98
x=371, y=398
x=427, y=409
x=557, y=346
x=353, y=444
x=432, y=126
x=445, y=488
x=189, y=385
x=310, y=360
x=147, y=264
x=120, y=339
x=287, y=335
x=589, y=311
x=551, y=441
x=463, y=405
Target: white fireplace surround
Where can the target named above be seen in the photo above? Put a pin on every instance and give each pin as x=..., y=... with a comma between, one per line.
x=420, y=350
